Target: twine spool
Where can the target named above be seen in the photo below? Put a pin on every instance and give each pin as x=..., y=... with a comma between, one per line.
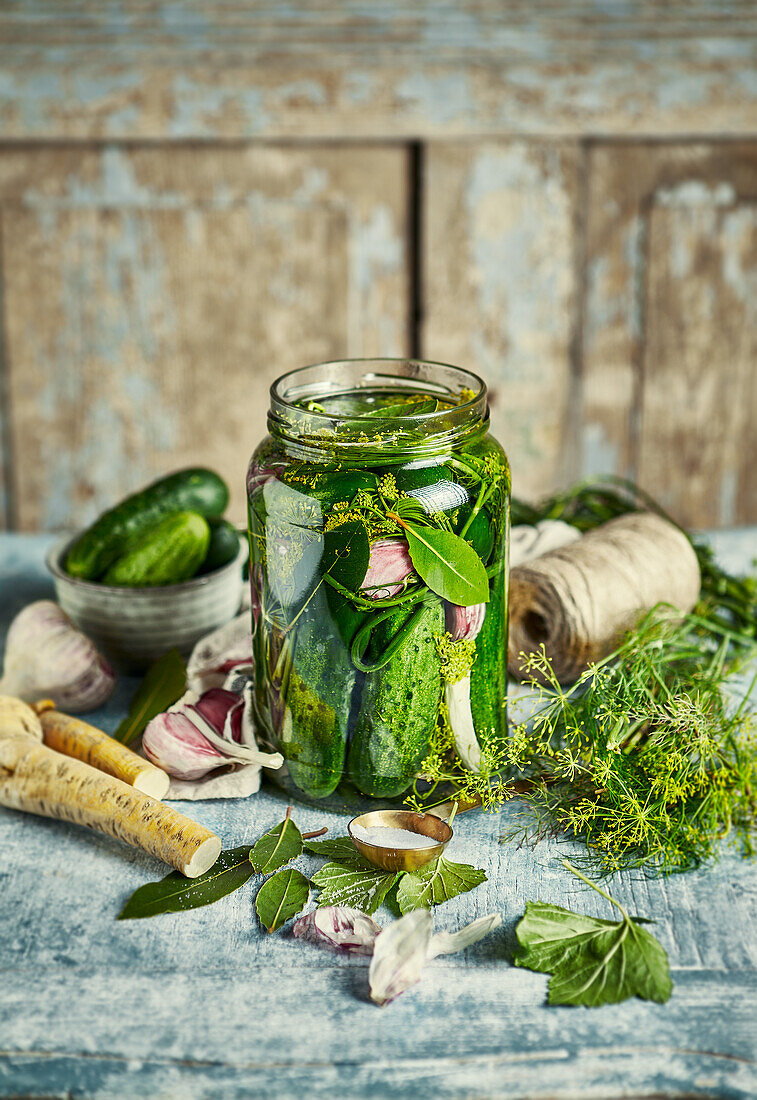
x=579, y=600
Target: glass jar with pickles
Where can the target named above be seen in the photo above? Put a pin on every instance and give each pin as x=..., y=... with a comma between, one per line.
x=378, y=521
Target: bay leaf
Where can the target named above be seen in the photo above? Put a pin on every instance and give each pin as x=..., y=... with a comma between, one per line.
x=335, y=847
x=447, y=564
x=281, y=897
x=175, y=893
x=278, y=846
x=164, y=682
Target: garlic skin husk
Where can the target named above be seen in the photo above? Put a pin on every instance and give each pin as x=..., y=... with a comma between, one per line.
x=219, y=653
x=202, y=733
x=340, y=928
x=46, y=656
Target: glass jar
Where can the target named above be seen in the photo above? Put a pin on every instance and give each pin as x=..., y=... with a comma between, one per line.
x=379, y=523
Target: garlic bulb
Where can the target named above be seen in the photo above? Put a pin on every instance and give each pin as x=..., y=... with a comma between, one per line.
x=45, y=655
x=464, y=622
x=201, y=733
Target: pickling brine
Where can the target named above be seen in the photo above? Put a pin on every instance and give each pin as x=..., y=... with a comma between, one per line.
x=378, y=521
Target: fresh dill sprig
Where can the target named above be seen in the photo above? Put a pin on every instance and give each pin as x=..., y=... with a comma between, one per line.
x=645, y=758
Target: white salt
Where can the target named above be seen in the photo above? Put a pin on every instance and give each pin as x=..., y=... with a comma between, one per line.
x=385, y=837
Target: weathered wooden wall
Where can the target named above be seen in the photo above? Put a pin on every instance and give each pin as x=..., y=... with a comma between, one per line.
x=197, y=197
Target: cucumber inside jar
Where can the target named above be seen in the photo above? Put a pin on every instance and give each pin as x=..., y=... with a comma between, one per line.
x=358, y=555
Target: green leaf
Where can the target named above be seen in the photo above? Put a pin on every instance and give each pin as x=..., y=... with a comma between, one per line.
x=278, y=846
x=164, y=683
x=438, y=881
x=346, y=554
x=175, y=893
x=406, y=408
x=448, y=565
x=357, y=883
x=282, y=896
x=592, y=961
x=335, y=847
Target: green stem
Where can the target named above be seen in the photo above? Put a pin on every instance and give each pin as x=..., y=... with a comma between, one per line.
x=574, y=871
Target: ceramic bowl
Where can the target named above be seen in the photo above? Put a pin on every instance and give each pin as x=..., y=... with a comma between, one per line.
x=135, y=626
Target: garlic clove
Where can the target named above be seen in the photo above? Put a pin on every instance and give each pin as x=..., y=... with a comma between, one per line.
x=45, y=655
x=389, y=566
x=464, y=623
x=399, y=956
x=175, y=744
x=340, y=928
x=206, y=737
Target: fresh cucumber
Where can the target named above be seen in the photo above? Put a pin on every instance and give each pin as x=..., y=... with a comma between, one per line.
x=399, y=706
x=318, y=699
x=223, y=546
x=172, y=552
x=488, y=677
x=121, y=528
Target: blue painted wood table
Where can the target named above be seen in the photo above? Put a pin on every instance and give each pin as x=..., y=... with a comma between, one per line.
x=204, y=1004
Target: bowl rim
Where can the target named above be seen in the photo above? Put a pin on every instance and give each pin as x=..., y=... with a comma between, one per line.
x=54, y=557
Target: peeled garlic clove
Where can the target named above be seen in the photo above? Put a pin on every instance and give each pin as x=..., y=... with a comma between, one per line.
x=388, y=567
x=457, y=697
x=399, y=955
x=339, y=927
x=175, y=744
x=45, y=655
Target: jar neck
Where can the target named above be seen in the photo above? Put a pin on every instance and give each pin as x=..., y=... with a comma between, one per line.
x=333, y=407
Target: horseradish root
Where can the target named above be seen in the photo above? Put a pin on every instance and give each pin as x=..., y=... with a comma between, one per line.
x=75, y=738
x=38, y=780
x=17, y=719
x=578, y=600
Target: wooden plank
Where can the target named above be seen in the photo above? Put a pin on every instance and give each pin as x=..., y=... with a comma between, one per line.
x=646, y=315
x=213, y=68
x=500, y=289
x=697, y=445
x=152, y=296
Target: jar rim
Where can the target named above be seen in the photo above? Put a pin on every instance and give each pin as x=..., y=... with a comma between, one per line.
x=288, y=417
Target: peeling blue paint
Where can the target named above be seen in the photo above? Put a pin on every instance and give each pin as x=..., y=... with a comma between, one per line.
x=196, y=108
x=440, y=99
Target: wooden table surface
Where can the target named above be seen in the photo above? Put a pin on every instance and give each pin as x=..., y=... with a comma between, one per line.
x=205, y=1005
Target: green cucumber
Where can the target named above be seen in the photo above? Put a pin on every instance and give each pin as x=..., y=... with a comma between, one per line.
x=172, y=552
x=488, y=677
x=223, y=546
x=121, y=528
x=399, y=706
x=318, y=699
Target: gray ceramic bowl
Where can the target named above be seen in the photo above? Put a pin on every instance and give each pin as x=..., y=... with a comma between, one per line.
x=135, y=626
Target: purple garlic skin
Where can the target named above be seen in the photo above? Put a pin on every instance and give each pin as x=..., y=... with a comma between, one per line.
x=46, y=656
x=464, y=623
x=389, y=566
x=340, y=928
